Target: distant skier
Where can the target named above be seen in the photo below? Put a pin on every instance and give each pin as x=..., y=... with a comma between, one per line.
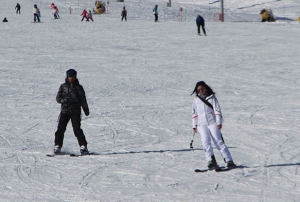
x=124, y=14
x=90, y=16
x=72, y=97
x=5, y=20
x=18, y=7
x=207, y=120
x=55, y=12
x=84, y=15
x=271, y=16
x=155, y=12
x=264, y=14
x=36, y=13
x=200, y=23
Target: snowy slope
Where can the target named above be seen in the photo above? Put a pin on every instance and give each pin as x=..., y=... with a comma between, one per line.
x=138, y=76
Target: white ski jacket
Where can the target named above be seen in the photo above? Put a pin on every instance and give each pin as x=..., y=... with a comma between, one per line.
x=203, y=115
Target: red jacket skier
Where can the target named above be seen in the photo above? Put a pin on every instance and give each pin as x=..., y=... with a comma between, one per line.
x=84, y=15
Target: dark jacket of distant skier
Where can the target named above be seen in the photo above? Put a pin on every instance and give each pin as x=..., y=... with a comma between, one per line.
x=75, y=96
x=199, y=20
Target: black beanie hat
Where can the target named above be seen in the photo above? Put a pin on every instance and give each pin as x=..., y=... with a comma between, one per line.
x=71, y=73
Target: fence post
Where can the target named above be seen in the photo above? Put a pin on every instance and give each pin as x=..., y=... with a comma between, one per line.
x=180, y=14
x=222, y=11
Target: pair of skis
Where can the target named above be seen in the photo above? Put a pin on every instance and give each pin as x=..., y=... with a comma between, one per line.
x=218, y=169
x=71, y=154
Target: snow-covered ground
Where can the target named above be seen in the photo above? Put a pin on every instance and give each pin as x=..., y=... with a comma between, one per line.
x=138, y=76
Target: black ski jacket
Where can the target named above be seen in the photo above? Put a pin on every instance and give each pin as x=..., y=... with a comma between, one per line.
x=75, y=98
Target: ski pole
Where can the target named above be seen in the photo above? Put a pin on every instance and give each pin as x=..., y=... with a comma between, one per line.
x=222, y=137
x=224, y=143
x=52, y=134
x=191, y=144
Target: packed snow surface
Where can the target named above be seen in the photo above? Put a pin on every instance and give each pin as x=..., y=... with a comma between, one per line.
x=138, y=76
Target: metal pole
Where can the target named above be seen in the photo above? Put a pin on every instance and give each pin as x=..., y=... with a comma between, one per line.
x=209, y=13
x=222, y=11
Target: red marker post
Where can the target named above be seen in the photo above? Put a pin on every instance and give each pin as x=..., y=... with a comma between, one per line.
x=180, y=14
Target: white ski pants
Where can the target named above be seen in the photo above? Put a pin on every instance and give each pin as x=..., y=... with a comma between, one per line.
x=211, y=132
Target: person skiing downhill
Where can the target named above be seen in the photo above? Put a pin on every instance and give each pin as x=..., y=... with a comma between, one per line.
x=36, y=13
x=90, y=16
x=200, y=23
x=84, y=15
x=124, y=14
x=155, y=12
x=56, y=12
x=207, y=120
x=18, y=7
x=264, y=14
x=71, y=96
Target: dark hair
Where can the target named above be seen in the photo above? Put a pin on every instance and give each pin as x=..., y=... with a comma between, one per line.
x=209, y=91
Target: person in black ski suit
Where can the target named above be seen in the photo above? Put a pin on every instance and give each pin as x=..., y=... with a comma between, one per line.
x=124, y=14
x=18, y=7
x=71, y=96
x=200, y=22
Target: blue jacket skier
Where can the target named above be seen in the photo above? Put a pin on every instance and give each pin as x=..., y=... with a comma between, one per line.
x=200, y=23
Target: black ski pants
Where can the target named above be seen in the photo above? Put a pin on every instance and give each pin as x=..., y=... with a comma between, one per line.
x=62, y=125
x=156, y=17
x=201, y=25
x=18, y=11
x=124, y=16
x=85, y=18
x=36, y=17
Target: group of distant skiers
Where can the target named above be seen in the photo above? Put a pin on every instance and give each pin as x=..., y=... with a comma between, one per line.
x=87, y=15
x=266, y=15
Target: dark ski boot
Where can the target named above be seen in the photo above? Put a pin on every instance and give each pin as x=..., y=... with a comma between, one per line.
x=84, y=150
x=57, y=149
x=230, y=164
x=212, y=164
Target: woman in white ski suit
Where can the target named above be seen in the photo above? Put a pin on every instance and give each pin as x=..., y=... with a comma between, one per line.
x=208, y=122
